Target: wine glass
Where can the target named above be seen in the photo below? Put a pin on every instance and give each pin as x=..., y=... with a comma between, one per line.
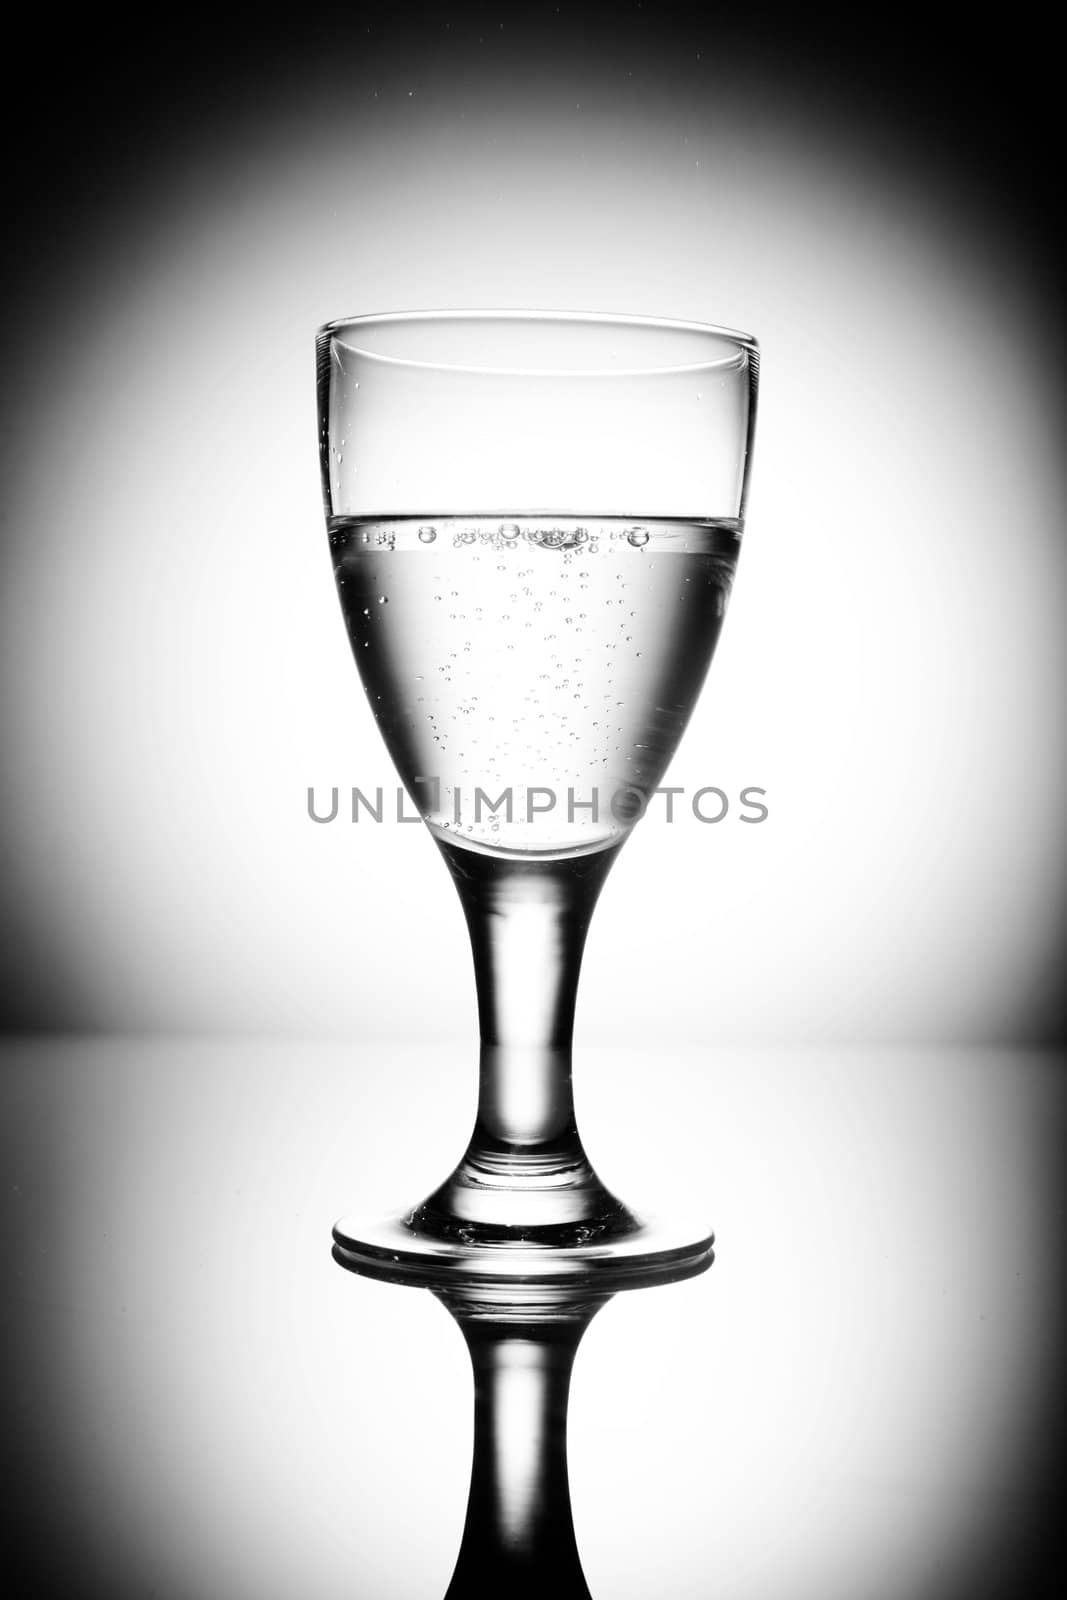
x=534, y=519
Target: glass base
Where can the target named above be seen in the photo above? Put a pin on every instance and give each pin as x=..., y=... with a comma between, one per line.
x=629, y=1252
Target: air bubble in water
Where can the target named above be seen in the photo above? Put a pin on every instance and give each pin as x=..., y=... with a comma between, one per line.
x=509, y=530
x=383, y=599
x=427, y=535
x=637, y=537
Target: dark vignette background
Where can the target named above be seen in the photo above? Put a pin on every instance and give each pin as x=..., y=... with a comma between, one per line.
x=111, y=110
x=123, y=111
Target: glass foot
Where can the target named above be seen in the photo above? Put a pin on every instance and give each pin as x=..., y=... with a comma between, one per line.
x=625, y=1251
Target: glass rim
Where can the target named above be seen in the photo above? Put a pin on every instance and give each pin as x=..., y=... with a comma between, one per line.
x=744, y=344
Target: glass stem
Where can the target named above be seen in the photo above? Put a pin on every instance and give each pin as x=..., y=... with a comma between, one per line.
x=518, y=1537
x=525, y=1166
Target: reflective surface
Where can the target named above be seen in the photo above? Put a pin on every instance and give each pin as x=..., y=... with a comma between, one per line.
x=872, y=1369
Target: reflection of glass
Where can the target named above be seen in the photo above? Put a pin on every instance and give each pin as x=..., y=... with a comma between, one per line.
x=518, y=1538
x=534, y=520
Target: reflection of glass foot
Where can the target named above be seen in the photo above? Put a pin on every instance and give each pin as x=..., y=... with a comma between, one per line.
x=518, y=1538
x=627, y=1252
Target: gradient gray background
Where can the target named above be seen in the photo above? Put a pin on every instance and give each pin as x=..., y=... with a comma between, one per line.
x=853, y=1009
